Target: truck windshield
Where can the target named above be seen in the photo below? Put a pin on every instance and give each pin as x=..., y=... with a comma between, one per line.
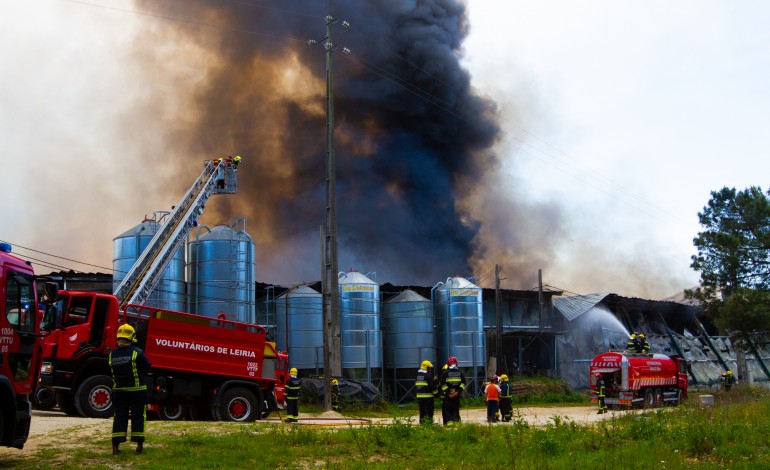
x=20, y=302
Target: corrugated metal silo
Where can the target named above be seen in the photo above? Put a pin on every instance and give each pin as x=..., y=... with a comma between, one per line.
x=128, y=246
x=409, y=338
x=221, y=272
x=299, y=327
x=460, y=326
x=360, y=333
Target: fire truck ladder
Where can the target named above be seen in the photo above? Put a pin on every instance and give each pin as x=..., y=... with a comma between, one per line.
x=136, y=287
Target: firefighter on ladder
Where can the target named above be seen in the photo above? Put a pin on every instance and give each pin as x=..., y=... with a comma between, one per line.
x=292, y=396
x=600, y=394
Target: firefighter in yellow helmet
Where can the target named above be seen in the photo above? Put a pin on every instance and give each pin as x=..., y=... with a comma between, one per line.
x=506, y=397
x=727, y=380
x=336, y=395
x=129, y=393
x=425, y=391
x=236, y=162
x=292, y=396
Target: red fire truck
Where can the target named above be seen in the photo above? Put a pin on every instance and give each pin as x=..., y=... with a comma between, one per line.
x=20, y=350
x=640, y=380
x=202, y=367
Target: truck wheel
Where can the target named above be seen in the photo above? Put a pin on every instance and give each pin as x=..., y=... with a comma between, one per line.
x=66, y=402
x=172, y=412
x=679, y=397
x=43, y=399
x=94, y=397
x=649, y=398
x=238, y=404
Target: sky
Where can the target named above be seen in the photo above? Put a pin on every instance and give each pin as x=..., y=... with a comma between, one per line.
x=617, y=119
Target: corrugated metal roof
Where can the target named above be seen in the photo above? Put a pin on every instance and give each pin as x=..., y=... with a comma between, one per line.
x=576, y=305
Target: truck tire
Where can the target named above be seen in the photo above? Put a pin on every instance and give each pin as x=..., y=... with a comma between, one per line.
x=649, y=399
x=43, y=399
x=94, y=397
x=66, y=402
x=172, y=412
x=679, y=397
x=237, y=404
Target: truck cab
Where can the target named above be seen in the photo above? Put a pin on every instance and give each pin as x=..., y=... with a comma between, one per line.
x=20, y=349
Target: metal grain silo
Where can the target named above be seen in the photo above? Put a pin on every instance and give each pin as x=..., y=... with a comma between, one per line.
x=220, y=271
x=128, y=246
x=460, y=325
x=360, y=333
x=299, y=328
x=409, y=338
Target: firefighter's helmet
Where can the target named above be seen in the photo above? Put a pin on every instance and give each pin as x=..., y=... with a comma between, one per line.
x=335, y=382
x=598, y=375
x=729, y=372
x=126, y=331
x=641, y=335
x=504, y=378
x=452, y=361
x=293, y=371
x=426, y=365
x=444, y=367
x=633, y=335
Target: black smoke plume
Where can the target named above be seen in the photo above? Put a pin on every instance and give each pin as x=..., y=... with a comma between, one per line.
x=412, y=137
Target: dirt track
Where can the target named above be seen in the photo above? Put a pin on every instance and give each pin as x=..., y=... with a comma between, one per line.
x=45, y=423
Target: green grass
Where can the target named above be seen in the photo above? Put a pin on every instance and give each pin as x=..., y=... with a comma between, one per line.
x=733, y=434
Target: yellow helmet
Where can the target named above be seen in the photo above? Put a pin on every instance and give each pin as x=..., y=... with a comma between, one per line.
x=425, y=365
x=237, y=158
x=729, y=372
x=293, y=371
x=641, y=335
x=445, y=367
x=126, y=331
x=335, y=382
x=633, y=335
x=504, y=377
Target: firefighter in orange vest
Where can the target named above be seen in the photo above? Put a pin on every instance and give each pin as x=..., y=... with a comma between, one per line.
x=292, y=396
x=129, y=393
x=492, y=395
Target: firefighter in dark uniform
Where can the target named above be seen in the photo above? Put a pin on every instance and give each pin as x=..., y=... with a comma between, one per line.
x=129, y=393
x=727, y=380
x=506, y=396
x=336, y=395
x=292, y=396
x=452, y=386
x=600, y=394
x=425, y=391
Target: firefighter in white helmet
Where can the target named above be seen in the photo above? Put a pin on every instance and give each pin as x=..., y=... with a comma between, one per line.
x=129, y=393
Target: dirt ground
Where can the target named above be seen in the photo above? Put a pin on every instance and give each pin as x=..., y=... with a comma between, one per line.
x=47, y=426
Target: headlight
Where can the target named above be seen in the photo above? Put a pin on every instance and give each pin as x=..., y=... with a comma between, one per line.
x=46, y=368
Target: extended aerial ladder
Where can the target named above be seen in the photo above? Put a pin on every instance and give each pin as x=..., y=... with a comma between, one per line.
x=218, y=177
